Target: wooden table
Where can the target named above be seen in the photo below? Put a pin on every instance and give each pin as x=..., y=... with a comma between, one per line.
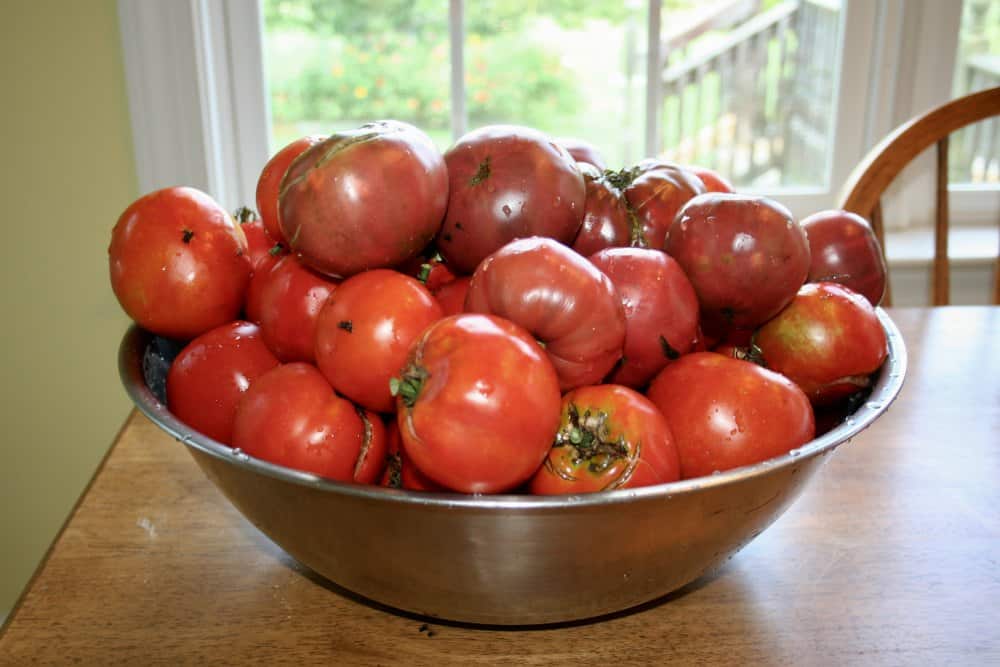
x=892, y=556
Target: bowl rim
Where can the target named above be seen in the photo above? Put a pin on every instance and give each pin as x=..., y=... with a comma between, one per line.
x=884, y=392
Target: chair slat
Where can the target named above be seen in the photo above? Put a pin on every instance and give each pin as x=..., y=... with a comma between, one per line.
x=879, y=228
x=941, y=294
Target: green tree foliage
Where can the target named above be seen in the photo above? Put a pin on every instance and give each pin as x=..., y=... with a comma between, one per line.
x=348, y=59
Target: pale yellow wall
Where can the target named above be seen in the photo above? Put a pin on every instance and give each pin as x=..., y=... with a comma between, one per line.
x=66, y=172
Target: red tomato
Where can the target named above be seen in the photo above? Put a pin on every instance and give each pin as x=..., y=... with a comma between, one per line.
x=561, y=298
x=400, y=473
x=507, y=182
x=452, y=295
x=285, y=300
x=363, y=199
x=292, y=417
x=655, y=191
x=269, y=184
x=583, y=151
x=178, y=263
x=261, y=248
x=661, y=310
x=606, y=219
x=610, y=437
x=477, y=404
x=713, y=181
x=208, y=377
x=828, y=341
x=429, y=268
x=845, y=250
x=365, y=330
x=725, y=413
x=746, y=257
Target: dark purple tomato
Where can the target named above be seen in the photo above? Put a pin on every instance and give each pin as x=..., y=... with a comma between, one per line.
x=507, y=182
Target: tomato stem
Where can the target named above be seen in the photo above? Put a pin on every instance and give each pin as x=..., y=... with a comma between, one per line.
x=407, y=387
x=244, y=214
x=590, y=437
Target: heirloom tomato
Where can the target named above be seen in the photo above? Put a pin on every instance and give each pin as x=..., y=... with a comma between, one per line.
x=507, y=182
x=400, y=473
x=655, y=191
x=828, y=341
x=606, y=219
x=365, y=330
x=583, y=151
x=845, y=250
x=260, y=246
x=269, y=184
x=714, y=182
x=292, y=417
x=661, y=310
x=362, y=199
x=208, y=377
x=561, y=298
x=725, y=413
x=477, y=404
x=452, y=295
x=746, y=257
x=285, y=299
x=178, y=263
x=610, y=437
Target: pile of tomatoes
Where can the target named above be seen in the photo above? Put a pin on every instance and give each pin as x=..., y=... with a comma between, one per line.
x=508, y=316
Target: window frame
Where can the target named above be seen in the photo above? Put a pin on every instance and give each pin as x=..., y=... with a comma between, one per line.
x=200, y=111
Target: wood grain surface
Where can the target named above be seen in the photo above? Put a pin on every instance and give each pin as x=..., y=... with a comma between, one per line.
x=891, y=556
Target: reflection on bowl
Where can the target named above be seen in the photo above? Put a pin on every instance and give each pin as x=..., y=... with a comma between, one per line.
x=507, y=559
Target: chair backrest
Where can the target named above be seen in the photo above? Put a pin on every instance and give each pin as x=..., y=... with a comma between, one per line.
x=862, y=192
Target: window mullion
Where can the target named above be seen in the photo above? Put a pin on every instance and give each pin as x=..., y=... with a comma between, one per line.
x=456, y=37
x=654, y=76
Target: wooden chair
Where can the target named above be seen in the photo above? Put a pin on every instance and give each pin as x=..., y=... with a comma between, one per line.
x=863, y=190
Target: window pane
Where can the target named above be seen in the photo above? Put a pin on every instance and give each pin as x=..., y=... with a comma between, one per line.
x=974, y=153
x=749, y=88
x=567, y=68
x=336, y=64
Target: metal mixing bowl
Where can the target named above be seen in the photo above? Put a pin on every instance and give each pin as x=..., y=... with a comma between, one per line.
x=507, y=559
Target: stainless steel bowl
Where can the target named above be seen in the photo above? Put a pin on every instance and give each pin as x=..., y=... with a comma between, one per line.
x=505, y=559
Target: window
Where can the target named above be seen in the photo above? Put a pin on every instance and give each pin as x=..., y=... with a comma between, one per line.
x=784, y=96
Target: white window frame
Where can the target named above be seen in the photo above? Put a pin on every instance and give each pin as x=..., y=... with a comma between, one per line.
x=200, y=113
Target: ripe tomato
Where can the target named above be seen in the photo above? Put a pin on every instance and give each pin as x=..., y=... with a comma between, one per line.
x=208, y=377
x=746, y=257
x=655, y=191
x=400, y=473
x=260, y=246
x=606, y=219
x=610, y=437
x=828, y=341
x=661, y=310
x=269, y=184
x=477, y=404
x=292, y=417
x=583, y=151
x=178, y=263
x=365, y=330
x=725, y=413
x=845, y=250
x=363, y=199
x=507, y=182
x=285, y=299
x=429, y=268
x=561, y=298
x=714, y=182
x=452, y=295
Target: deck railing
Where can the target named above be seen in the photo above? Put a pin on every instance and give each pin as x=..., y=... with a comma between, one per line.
x=757, y=105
